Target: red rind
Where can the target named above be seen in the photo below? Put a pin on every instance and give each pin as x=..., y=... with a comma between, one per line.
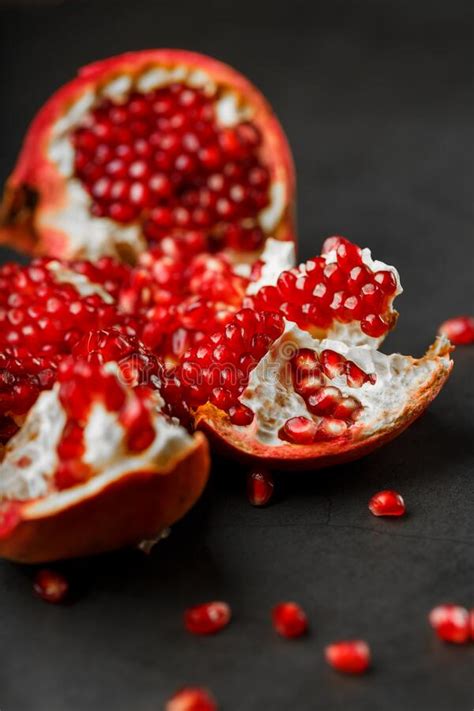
x=35, y=184
x=99, y=517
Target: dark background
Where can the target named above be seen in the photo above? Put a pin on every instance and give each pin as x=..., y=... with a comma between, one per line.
x=376, y=97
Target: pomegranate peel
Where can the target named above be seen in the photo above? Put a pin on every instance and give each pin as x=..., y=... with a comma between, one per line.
x=403, y=389
x=109, y=484
x=46, y=208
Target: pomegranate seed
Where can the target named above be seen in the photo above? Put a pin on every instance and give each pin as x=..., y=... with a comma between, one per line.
x=289, y=620
x=348, y=255
x=386, y=281
x=373, y=325
x=451, y=623
x=387, y=503
x=191, y=699
x=241, y=415
x=459, y=330
x=356, y=377
x=350, y=657
x=331, y=428
x=299, y=430
x=324, y=401
x=305, y=361
x=51, y=586
x=333, y=363
x=332, y=243
x=208, y=618
x=259, y=487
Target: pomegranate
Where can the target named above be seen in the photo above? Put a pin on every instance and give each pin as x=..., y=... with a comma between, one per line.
x=208, y=618
x=349, y=657
x=95, y=466
x=459, y=330
x=451, y=623
x=148, y=144
x=192, y=699
x=289, y=620
x=387, y=503
x=51, y=586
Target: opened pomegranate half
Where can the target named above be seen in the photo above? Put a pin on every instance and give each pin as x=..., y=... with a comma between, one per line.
x=263, y=388
x=96, y=466
x=148, y=144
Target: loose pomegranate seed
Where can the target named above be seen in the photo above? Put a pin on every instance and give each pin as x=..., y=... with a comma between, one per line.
x=350, y=657
x=459, y=330
x=191, y=699
x=289, y=620
x=259, y=487
x=208, y=618
x=451, y=623
x=51, y=586
x=387, y=503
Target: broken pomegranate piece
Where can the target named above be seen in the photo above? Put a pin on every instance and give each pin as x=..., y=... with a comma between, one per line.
x=148, y=144
x=343, y=294
x=259, y=486
x=96, y=466
x=312, y=403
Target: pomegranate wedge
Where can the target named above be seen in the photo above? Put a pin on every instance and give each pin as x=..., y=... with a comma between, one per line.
x=304, y=402
x=148, y=144
x=96, y=466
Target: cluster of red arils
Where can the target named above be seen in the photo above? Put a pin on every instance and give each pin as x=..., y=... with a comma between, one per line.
x=161, y=158
x=319, y=292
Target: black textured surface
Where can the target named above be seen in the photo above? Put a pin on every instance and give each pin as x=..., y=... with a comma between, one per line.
x=377, y=100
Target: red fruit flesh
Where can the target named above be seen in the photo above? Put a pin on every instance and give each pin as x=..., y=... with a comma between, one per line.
x=342, y=286
x=349, y=657
x=459, y=330
x=451, y=623
x=387, y=503
x=289, y=620
x=188, y=144
x=208, y=618
x=191, y=699
x=259, y=487
x=51, y=586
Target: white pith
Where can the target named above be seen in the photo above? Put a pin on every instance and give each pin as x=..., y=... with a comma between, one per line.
x=271, y=396
x=277, y=256
x=105, y=451
x=93, y=237
x=80, y=282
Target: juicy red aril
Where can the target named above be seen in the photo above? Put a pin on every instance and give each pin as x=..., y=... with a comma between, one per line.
x=177, y=166
x=451, y=623
x=51, y=586
x=305, y=361
x=387, y=503
x=208, y=618
x=348, y=255
x=386, y=281
x=356, y=377
x=333, y=363
x=241, y=415
x=324, y=401
x=259, y=487
x=332, y=243
x=191, y=699
x=350, y=657
x=459, y=330
x=299, y=430
x=373, y=325
x=289, y=620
